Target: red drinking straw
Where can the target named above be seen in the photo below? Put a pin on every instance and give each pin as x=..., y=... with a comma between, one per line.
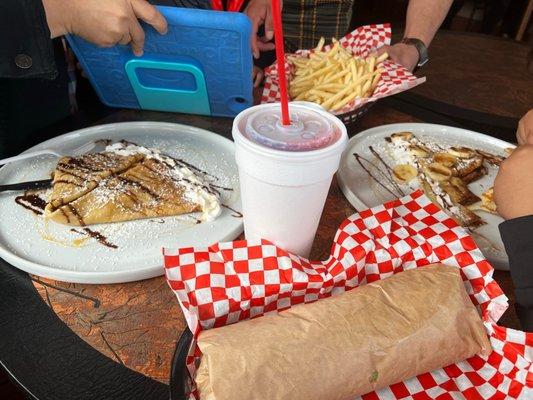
x=280, y=55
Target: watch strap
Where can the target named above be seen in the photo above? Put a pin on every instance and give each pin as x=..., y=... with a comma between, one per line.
x=420, y=47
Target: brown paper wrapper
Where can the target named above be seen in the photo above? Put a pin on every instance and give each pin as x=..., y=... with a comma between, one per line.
x=347, y=345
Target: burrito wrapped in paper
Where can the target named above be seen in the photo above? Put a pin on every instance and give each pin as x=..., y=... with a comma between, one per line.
x=346, y=345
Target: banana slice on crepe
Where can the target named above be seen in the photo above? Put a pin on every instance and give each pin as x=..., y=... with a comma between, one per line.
x=462, y=152
x=438, y=172
x=401, y=137
x=446, y=159
x=404, y=173
x=417, y=150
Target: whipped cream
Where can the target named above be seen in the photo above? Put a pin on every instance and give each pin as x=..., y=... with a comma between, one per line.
x=399, y=151
x=196, y=188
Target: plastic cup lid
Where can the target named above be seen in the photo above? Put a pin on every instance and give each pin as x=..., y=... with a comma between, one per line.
x=309, y=130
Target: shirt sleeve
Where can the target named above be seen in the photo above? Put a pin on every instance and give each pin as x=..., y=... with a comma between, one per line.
x=201, y=4
x=517, y=235
x=26, y=50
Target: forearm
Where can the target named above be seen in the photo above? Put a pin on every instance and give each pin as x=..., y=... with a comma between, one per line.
x=424, y=18
x=26, y=50
x=517, y=235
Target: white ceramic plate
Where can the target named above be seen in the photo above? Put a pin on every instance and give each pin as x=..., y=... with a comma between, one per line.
x=51, y=250
x=363, y=192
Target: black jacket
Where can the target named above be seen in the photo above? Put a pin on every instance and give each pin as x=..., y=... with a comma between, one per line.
x=26, y=50
x=517, y=235
x=33, y=83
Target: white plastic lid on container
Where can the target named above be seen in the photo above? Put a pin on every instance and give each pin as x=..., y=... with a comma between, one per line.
x=309, y=129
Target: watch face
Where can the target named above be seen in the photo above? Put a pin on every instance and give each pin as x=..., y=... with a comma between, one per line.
x=423, y=62
x=421, y=48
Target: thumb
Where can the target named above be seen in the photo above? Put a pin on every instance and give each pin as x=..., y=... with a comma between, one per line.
x=382, y=49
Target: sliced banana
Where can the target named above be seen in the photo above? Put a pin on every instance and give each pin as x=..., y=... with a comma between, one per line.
x=401, y=137
x=404, y=173
x=462, y=152
x=446, y=159
x=481, y=206
x=438, y=172
x=488, y=196
x=487, y=200
x=420, y=151
x=509, y=150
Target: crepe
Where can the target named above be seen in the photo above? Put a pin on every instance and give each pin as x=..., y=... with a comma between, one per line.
x=76, y=176
x=346, y=345
x=444, y=174
x=125, y=183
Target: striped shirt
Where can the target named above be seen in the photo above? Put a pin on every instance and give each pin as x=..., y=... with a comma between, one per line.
x=305, y=21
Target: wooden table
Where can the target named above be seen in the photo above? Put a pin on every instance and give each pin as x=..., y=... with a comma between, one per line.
x=480, y=82
x=137, y=324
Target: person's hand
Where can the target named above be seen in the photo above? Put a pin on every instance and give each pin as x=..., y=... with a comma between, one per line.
x=513, y=187
x=260, y=13
x=104, y=22
x=402, y=54
x=524, y=134
x=257, y=76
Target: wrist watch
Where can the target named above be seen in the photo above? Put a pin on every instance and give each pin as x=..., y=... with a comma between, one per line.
x=420, y=47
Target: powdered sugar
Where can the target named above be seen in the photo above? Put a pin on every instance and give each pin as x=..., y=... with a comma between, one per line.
x=196, y=187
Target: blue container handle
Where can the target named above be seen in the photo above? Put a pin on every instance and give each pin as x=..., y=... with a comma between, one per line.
x=168, y=98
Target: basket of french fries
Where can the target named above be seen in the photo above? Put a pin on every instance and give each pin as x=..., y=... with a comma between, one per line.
x=345, y=76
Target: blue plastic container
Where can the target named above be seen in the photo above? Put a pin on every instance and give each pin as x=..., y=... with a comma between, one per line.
x=203, y=65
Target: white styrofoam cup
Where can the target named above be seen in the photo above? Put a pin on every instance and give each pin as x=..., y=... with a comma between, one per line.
x=283, y=192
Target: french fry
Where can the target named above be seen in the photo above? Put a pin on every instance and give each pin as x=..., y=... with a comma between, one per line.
x=375, y=80
x=334, y=77
x=330, y=87
x=347, y=79
x=344, y=101
x=327, y=104
x=353, y=67
x=382, y=58
x=337, y=76
x=319, y=93
x=320, y=45
x=366, y=86
x=334, y=49
x=317, y=73
x=371, y=64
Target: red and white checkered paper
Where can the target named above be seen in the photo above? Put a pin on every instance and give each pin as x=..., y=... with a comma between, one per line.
x=362, y=42
x=229, y=282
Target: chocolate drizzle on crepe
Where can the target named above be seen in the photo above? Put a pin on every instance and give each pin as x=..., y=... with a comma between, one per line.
x=37, y=204
x=95, y=235
x=31, y=202
x=75, y=212
x=387, y=174
x=208, y=188
x=182, y=163
x=139, y=185
x=236, y=214
x=222, y=188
